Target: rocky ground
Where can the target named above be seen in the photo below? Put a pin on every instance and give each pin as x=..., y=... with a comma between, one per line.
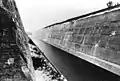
x=44, y=70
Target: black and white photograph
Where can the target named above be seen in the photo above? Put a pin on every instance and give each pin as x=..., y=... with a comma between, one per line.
x=59, y=40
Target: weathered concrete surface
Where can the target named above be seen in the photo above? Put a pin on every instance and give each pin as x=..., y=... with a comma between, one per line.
x=95, y=37
x=15, y=58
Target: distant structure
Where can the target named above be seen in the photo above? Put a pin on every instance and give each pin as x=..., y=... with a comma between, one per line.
x=29, y=33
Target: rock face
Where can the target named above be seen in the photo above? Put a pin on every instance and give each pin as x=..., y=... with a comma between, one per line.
x=15, y=58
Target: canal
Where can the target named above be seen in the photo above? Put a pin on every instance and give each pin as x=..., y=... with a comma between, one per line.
x=74, y=68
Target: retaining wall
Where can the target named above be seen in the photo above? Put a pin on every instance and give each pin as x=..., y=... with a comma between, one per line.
x=94, y=38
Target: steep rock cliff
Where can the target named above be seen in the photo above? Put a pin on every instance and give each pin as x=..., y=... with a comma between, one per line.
x=15, y=58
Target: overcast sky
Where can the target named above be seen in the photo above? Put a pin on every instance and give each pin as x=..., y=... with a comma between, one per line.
x=36, y=14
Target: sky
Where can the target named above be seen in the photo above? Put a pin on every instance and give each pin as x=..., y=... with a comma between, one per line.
x=36, y=14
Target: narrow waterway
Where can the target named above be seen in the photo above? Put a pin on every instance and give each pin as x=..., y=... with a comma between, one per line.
x=74, y=68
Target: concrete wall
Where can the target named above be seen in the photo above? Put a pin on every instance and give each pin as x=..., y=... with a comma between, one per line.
x=96, y=36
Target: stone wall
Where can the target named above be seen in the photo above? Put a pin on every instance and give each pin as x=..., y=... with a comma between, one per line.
x=97, y=36
x=15, y=58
